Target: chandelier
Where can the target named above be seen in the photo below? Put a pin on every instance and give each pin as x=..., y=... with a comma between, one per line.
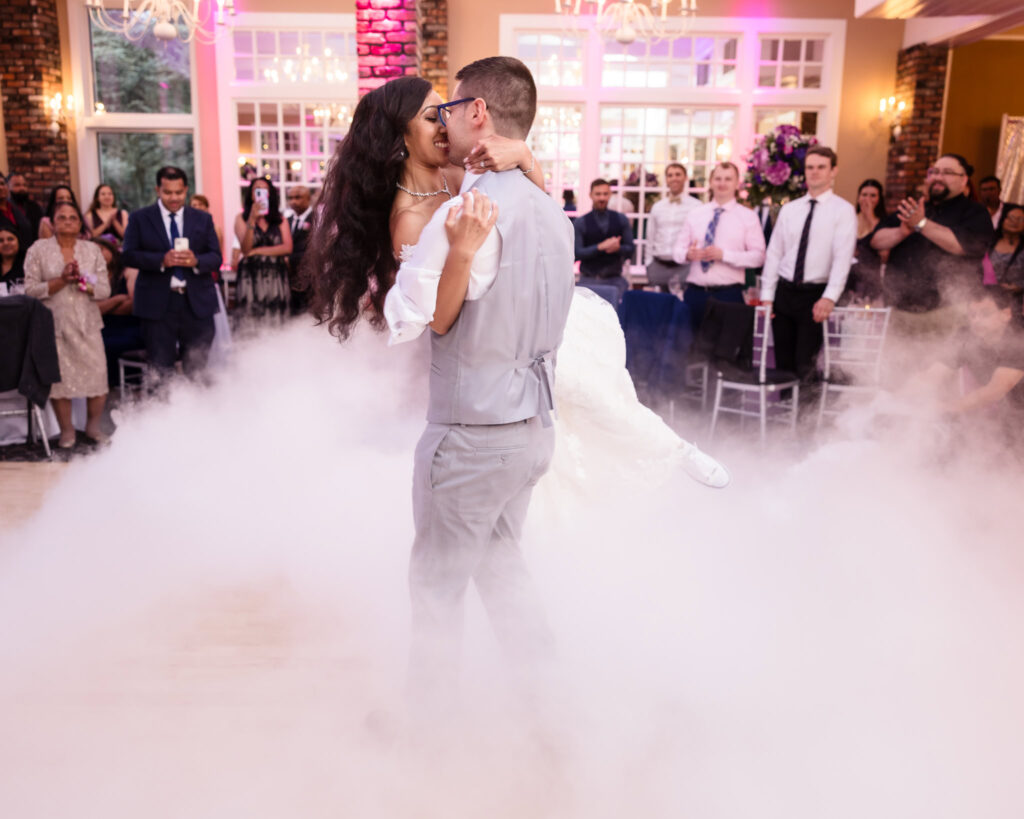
x=303, y=68
x=134, y=19
x=628, y=19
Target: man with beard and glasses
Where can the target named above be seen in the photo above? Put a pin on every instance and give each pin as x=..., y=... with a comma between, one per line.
x=18, y=186
x=935, y=250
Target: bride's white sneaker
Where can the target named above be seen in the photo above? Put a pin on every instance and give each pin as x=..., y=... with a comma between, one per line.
x=703, y=468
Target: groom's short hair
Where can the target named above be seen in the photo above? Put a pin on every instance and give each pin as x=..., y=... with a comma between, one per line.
x=507, y=86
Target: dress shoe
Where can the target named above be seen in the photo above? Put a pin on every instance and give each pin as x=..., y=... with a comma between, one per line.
x=703, y=468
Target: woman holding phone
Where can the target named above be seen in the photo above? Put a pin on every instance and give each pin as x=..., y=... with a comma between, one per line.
x=262, y=289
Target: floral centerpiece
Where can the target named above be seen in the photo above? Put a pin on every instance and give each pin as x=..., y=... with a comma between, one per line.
x=775, y=166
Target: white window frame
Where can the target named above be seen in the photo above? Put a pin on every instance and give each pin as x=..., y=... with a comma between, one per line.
x=743, y=98
x=230, y=90
x=89, y=124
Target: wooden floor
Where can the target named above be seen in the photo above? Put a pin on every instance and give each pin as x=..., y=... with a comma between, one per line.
x=23, y=486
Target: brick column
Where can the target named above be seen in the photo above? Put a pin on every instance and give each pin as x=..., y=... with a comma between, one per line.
x=29, y=75
x=386, y=37
x=921, y=83
x=402, y=38
x=433, y=43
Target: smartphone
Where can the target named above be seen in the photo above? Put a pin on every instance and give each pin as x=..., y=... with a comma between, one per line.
x=262, y=197
x=181, y=243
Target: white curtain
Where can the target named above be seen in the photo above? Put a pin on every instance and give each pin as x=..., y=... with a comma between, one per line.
x=1010, y=161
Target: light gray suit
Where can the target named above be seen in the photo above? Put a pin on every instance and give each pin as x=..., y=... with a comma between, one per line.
x=489, y=440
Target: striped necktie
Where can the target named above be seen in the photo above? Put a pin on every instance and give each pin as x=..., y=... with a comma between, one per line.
x=709, y=236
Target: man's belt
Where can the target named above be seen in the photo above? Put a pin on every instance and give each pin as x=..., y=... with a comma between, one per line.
x=668, y=262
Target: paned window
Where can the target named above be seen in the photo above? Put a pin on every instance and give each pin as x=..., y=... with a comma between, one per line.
x=682, y=62
x=556, y=143
x=148, y=76
x=790, y=62
x=128, y=161
x=290, y=143
x=767, y=120
x=637, y=142
x=555, y=60
x=293, y=56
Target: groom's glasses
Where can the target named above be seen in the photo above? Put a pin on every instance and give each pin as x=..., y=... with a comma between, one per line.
x=442, y=109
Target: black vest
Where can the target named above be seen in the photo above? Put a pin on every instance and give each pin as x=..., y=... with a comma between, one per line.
x=604, y=265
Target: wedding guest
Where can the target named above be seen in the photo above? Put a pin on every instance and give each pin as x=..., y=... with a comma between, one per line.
x=720, y=240
x=935, y=247
x=200, y=202
x=70, y=275
x=300, y=220
x=262, y=289
x=13, y=217
x=989, y=357
x=18, y=185
x=990, y=191
x=1004, y=263
x=807, y=263
x=60, y=195
x=865, y=281
x=175, y=294
x=569, y=201
x=604, y=240
x=104, y=217
x=666, y=220
x=122, y=331
x=11, y=267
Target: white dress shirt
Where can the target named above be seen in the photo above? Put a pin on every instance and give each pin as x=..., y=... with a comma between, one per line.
x=179, y=217
x=830, y=246
x=663, y=225
x=303, y=218
x=410, y=303
x=739, y=236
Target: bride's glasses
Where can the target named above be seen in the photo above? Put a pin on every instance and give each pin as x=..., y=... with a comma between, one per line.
x=442, y=109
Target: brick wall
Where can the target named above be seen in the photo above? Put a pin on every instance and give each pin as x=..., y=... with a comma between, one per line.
x=30, y=73
x=433, y=43
x=921, y=83
x=402, y=37
x=386, y=37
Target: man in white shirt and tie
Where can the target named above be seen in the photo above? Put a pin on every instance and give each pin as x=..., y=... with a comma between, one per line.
x=720, y=240
x=663, y=225
x=807, y=263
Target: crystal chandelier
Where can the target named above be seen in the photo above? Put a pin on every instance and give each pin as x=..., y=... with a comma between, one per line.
x=134, y=18
x=628, y=19
x=303, y=68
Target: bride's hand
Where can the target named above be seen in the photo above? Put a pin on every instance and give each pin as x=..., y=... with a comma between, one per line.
x=468, y=224
x=498, y=153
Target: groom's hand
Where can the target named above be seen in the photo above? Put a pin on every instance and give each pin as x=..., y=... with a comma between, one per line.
x=468, y=224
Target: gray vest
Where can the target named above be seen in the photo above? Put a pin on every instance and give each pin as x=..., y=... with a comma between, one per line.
x=496, y=364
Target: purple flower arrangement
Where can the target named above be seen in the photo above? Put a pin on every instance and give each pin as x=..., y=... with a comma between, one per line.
x=775, y=166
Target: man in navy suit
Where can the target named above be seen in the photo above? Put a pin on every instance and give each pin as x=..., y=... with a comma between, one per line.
x=604, y=241
x=175, y=294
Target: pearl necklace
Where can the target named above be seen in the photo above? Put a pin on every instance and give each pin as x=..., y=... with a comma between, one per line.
x=444, y=189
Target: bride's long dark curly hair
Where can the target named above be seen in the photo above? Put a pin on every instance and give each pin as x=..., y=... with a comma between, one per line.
x=349, y=253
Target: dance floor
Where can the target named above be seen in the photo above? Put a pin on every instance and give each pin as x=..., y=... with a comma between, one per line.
x=24, y=487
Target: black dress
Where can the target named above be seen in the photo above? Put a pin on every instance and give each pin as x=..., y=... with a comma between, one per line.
x=262, y=289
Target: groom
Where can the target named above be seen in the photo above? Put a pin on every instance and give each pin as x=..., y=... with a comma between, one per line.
x=489, y=437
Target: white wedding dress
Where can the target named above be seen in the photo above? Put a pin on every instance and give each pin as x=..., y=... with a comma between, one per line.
x=602, y=428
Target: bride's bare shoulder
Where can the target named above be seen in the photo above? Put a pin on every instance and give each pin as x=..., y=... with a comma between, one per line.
x=406, y=226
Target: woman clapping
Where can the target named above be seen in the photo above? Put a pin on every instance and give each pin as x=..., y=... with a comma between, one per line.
x=70, y=276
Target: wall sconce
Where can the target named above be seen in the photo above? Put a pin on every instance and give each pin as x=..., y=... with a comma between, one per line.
x=62, y=109
x=891, y=112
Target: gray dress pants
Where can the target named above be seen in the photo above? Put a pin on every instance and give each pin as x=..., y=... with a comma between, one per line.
x=471, y=490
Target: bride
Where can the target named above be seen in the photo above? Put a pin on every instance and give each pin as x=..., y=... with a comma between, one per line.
x=393, y=169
